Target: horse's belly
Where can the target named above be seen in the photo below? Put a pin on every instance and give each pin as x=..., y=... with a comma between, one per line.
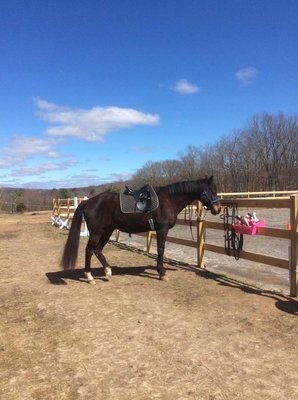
x=132, y=223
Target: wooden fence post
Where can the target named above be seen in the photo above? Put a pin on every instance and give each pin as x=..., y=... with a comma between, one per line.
x=55, y=207
x=117, y=235
x=200, y=235
x=149, y=241
x=293, y=267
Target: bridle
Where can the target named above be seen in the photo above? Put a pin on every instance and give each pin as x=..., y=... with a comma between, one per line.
x=209, y=201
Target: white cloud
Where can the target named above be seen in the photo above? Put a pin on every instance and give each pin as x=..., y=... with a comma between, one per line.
x=21, y=148
x=41, y=169
x=82, y=180
x=184, y=87
x=90, y=124
x=246, y=76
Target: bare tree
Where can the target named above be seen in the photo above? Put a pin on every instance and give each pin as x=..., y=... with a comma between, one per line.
x=275, y=139
x=190, y=160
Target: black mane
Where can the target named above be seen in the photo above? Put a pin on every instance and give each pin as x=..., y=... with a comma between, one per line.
x=183, y=187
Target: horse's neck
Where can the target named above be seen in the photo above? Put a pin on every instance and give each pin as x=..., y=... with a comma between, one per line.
x=183, y=200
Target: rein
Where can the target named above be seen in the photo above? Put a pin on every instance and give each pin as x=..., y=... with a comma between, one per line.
x=200, y=217
x=190, y=219
x=209, y=201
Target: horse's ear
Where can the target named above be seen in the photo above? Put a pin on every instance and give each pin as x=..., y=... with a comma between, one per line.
x=210, y=180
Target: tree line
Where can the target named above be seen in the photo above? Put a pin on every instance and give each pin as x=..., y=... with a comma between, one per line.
x=263, y=156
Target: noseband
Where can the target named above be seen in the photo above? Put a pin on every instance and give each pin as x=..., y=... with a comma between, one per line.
x=209, y=200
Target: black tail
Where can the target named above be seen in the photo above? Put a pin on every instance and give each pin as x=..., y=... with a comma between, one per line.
x=71, y=248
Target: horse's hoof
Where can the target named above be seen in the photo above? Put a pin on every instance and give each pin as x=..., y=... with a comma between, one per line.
x=108, y=273
x=89, y=278
x=163, y=278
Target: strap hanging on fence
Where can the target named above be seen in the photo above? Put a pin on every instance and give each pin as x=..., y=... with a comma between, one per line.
x=233, y=241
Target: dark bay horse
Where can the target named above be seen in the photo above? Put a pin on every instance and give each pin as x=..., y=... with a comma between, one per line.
x=103, y=215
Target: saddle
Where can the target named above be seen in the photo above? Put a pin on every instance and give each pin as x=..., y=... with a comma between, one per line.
x=143, y=200
x=142, y=197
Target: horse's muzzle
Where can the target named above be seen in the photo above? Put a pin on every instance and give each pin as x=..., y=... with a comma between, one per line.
x=215, y=208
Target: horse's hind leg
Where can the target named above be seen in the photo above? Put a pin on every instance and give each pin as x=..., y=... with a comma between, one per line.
x=90, y=248
x=98, y=252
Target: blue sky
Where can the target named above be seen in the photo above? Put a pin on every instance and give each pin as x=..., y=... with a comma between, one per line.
x=92, y=90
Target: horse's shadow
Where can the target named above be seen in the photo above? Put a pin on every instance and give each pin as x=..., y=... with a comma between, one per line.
x=284, y=303
x=61, y=277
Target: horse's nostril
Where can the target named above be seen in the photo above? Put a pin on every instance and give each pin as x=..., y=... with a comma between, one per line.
x=215, y=210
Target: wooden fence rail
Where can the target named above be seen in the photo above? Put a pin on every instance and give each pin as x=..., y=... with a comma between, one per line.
x=66, y=209
x=273, y=193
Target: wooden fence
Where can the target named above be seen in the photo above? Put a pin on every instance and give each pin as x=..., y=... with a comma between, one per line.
x=274, y=193
x=66, y=208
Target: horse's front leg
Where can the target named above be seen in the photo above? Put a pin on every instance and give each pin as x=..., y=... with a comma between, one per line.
x=161, y=236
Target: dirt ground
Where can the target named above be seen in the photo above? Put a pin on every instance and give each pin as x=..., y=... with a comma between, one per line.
x=198, y=335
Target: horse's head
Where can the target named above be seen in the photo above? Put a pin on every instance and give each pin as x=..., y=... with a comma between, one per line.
x=209, y=197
